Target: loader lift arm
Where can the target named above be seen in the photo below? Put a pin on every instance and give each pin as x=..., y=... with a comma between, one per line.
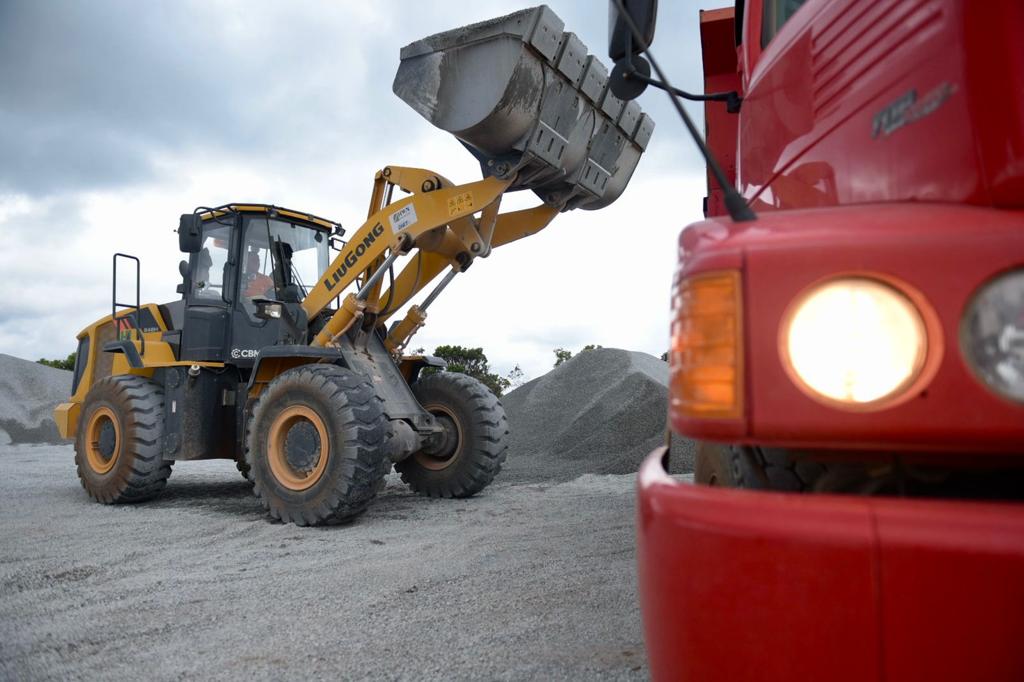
x=438, y=220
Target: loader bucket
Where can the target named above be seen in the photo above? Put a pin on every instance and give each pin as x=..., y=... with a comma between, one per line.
x=529, y=102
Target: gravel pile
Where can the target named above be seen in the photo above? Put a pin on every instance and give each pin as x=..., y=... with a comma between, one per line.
x=601, y=412
x=28, y=393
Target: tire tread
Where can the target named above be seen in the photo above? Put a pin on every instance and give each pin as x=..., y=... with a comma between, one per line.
x=356, y=405
x=140, y=472
x=488, y=449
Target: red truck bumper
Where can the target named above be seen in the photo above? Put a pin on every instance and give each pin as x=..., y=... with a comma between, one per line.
x=749, y=585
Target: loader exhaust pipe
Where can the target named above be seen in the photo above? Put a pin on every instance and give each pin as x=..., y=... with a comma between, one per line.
x=529, y=102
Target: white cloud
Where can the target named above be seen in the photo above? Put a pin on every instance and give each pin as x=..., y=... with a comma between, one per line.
x=305, y=118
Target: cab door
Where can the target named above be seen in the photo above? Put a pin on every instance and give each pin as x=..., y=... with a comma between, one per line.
x=256, y=280
x=211, y=291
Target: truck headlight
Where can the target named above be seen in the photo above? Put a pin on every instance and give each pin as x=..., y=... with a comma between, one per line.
x=854, y=341
x=992, y=335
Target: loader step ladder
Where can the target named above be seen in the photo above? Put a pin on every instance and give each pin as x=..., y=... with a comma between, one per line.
x=136, y=314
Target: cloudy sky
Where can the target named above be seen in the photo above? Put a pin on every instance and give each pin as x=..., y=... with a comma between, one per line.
x=115, y=117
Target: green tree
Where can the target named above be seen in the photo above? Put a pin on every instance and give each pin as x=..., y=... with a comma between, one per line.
x=67, y=363
x=472, y=361
x=561, y=354
x=517, y=377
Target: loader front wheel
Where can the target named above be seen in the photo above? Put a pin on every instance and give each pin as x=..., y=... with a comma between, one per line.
x=469, y=454
x=118, y=446
x=314, y=445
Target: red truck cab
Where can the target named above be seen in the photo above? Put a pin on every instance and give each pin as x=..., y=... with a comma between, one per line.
x=852, y=361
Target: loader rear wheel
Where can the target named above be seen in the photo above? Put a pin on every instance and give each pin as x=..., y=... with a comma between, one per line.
x=244, y=468
x=314, y=445
x=118, y=446
x=472, y=449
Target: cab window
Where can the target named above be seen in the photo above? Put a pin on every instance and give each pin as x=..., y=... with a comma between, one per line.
x=267, y=240
x=210, y=262
x=257, y=272
x=776, y=14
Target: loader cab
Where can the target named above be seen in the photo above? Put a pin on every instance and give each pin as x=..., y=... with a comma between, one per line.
x=248, y=270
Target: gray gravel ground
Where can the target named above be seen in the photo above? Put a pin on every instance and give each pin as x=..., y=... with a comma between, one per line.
x=528, y=581
x=533, y=579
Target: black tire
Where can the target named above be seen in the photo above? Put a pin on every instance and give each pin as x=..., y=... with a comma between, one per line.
x=241, y=463
x=472, y=455
x=118, y=448
x=755, y=468
x=244, y=468
x=713, y=465
x=296, y=412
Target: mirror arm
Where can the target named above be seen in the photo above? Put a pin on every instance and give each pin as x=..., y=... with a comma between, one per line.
x=731, y=98
x=739, y=209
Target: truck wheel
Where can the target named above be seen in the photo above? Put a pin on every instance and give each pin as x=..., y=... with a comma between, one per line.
x=118, y=445
x=713, y=465
x=473, y=448
x=736, y=466
x=314, y=445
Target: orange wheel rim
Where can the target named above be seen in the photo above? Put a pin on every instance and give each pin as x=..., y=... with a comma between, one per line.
x=99, y=452
x=285, y=471
x=439, y=462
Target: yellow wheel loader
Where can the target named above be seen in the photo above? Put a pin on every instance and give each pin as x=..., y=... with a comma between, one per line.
x=287, y=360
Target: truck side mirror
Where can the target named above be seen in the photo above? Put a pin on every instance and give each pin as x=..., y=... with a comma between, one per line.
x=621, y=43
x=190, y=233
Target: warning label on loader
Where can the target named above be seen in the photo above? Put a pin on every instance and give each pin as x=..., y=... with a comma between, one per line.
x=460, y=203
x=403, y=218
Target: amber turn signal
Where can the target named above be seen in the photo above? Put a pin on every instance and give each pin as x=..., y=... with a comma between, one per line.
x=706, y=359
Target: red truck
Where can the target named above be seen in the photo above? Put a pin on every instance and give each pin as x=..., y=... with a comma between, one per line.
x=851, y=361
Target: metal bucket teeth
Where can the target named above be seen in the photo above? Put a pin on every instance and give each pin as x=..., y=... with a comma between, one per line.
x=526, y=99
